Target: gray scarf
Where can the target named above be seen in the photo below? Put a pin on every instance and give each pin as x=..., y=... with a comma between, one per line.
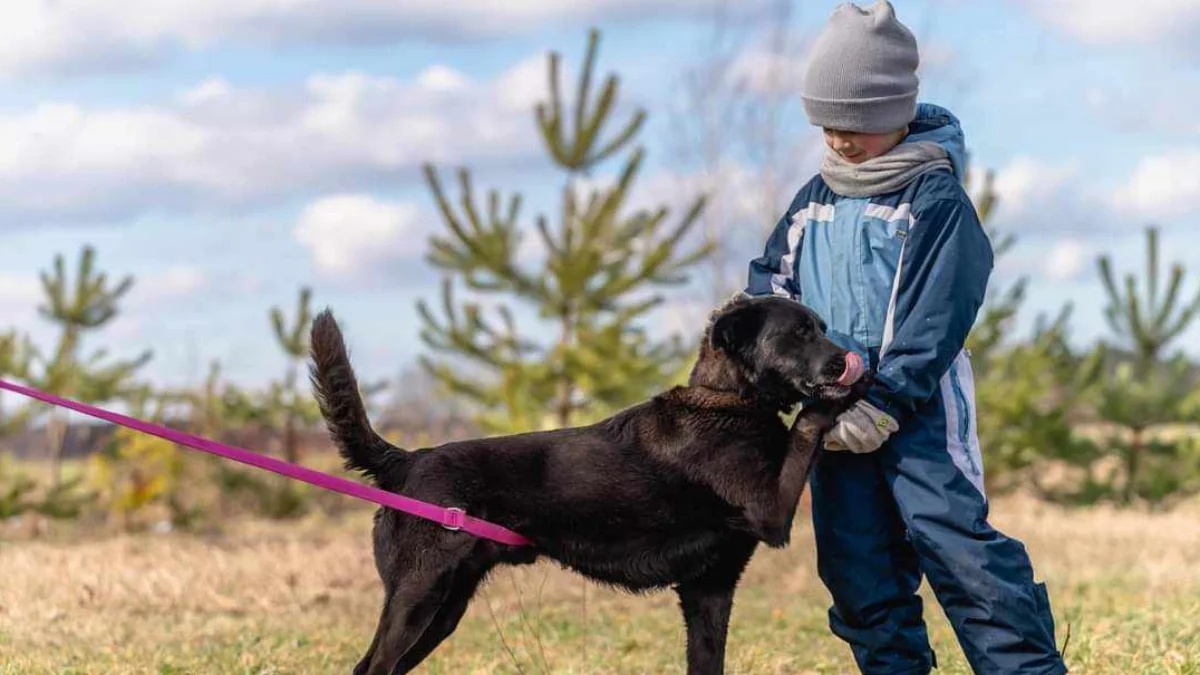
x=886, y=173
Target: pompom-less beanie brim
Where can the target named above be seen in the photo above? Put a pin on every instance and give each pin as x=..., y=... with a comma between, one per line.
x=864, y=115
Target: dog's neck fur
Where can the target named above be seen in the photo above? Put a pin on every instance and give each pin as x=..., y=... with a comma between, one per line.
x=716, y=371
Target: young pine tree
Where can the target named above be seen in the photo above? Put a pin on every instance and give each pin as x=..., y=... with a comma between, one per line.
x=1027, y=389
x=293, y=340
x=1001, y=306
x=1149, y=389
x=17, y=354
x=598, y=274
x=85, y=303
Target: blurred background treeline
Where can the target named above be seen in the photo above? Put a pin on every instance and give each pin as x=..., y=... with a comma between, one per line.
x=1111, y=422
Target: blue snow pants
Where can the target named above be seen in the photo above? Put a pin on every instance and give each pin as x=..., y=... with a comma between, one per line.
x=916, y=508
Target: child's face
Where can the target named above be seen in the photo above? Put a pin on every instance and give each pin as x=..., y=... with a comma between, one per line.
x=857, y=148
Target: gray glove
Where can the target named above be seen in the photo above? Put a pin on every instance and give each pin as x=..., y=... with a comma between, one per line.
x=863, y=428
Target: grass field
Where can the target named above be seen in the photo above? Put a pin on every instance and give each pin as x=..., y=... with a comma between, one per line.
x=303, y=598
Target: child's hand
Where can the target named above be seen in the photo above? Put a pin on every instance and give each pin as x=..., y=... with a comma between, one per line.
x=861, y=429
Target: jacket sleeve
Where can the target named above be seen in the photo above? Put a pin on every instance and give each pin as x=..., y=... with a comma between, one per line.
x=944, y=271
x=767, y=274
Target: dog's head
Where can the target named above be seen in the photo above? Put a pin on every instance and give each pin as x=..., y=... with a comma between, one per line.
x=776, y=348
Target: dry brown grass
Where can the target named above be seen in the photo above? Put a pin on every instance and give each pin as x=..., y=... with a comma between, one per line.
x=303, y=598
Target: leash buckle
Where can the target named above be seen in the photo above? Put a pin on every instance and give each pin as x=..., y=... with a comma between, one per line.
x=454, y=518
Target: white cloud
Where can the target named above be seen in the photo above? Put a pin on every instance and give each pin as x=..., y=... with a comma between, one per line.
x=1034, y=195
x=527, y=83
x=216, y=147
x=443, y=78
x=739, y=195
x=1163, y=186
x=19, y=297
x=682, y=316
x=1163, y=104
x=767, y=71
x=351, y=233
x=78, y=36
x=1111, y=22
x=213, y=90
x=126, y=327
x=940, y=57
x=176, y=282
x=1049, y=259
x=1037, y=198
x=1025, y=181
x=1067, y=259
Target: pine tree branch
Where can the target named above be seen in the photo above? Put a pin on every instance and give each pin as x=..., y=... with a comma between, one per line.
x=1183, y=321
x=1162, y=313
x=484, y=252
x=1109, y=281
x=621, y=139
x=588, y=133
x=549, y=117
x=584, y=137
x=1152, y=267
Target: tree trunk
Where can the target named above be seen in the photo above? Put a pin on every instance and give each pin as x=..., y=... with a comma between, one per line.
x=291, y=444
x=56, y=434
x=1132, y=465
x=291, y=447
x=566, y=388
x=566, y=338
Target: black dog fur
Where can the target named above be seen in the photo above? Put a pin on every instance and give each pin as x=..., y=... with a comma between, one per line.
x=674, y=492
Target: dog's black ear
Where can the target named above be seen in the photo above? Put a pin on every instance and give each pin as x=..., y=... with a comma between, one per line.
x=736, y=329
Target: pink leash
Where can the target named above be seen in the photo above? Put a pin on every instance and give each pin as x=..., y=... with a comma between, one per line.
x=449, y=518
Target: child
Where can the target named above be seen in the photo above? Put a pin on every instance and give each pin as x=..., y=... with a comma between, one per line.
x=887, y=247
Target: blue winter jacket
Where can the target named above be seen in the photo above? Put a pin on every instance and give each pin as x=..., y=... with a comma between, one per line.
x=898, y=277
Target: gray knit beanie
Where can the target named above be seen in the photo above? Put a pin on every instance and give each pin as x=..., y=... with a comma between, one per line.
x=862, y=72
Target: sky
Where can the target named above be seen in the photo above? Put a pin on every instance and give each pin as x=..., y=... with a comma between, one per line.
x=227, y=152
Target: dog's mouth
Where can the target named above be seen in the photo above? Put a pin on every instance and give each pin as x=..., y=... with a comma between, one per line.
x=841, y=386
x=827, y=391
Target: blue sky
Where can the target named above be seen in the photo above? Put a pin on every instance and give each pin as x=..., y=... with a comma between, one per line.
x=227, y=152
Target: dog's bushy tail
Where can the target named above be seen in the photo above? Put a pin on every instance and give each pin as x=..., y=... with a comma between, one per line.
x=336, y=390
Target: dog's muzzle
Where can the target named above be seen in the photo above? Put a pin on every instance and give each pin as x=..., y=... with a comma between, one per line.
x=853, y=371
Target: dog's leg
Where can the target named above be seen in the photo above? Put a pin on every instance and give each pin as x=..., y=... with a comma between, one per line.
x=466, y=581
x=771, y=513
x=365, y=662
x=706, y=612
x=406, y=616
x=707, y=603
x=418, y=577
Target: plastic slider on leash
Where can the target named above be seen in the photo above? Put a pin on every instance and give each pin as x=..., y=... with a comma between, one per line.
x=451, y=518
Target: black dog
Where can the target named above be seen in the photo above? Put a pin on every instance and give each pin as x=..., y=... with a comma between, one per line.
x=677, y=491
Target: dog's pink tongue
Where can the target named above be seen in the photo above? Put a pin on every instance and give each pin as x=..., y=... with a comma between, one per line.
x=854, y=369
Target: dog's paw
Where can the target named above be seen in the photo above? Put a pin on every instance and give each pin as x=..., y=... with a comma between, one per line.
x=767, y=530
x=778, y=537
x=742, y=524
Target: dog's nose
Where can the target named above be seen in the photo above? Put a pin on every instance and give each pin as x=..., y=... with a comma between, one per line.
x=853, y=370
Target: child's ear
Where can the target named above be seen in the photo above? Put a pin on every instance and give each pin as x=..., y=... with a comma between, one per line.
x=736, y=329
